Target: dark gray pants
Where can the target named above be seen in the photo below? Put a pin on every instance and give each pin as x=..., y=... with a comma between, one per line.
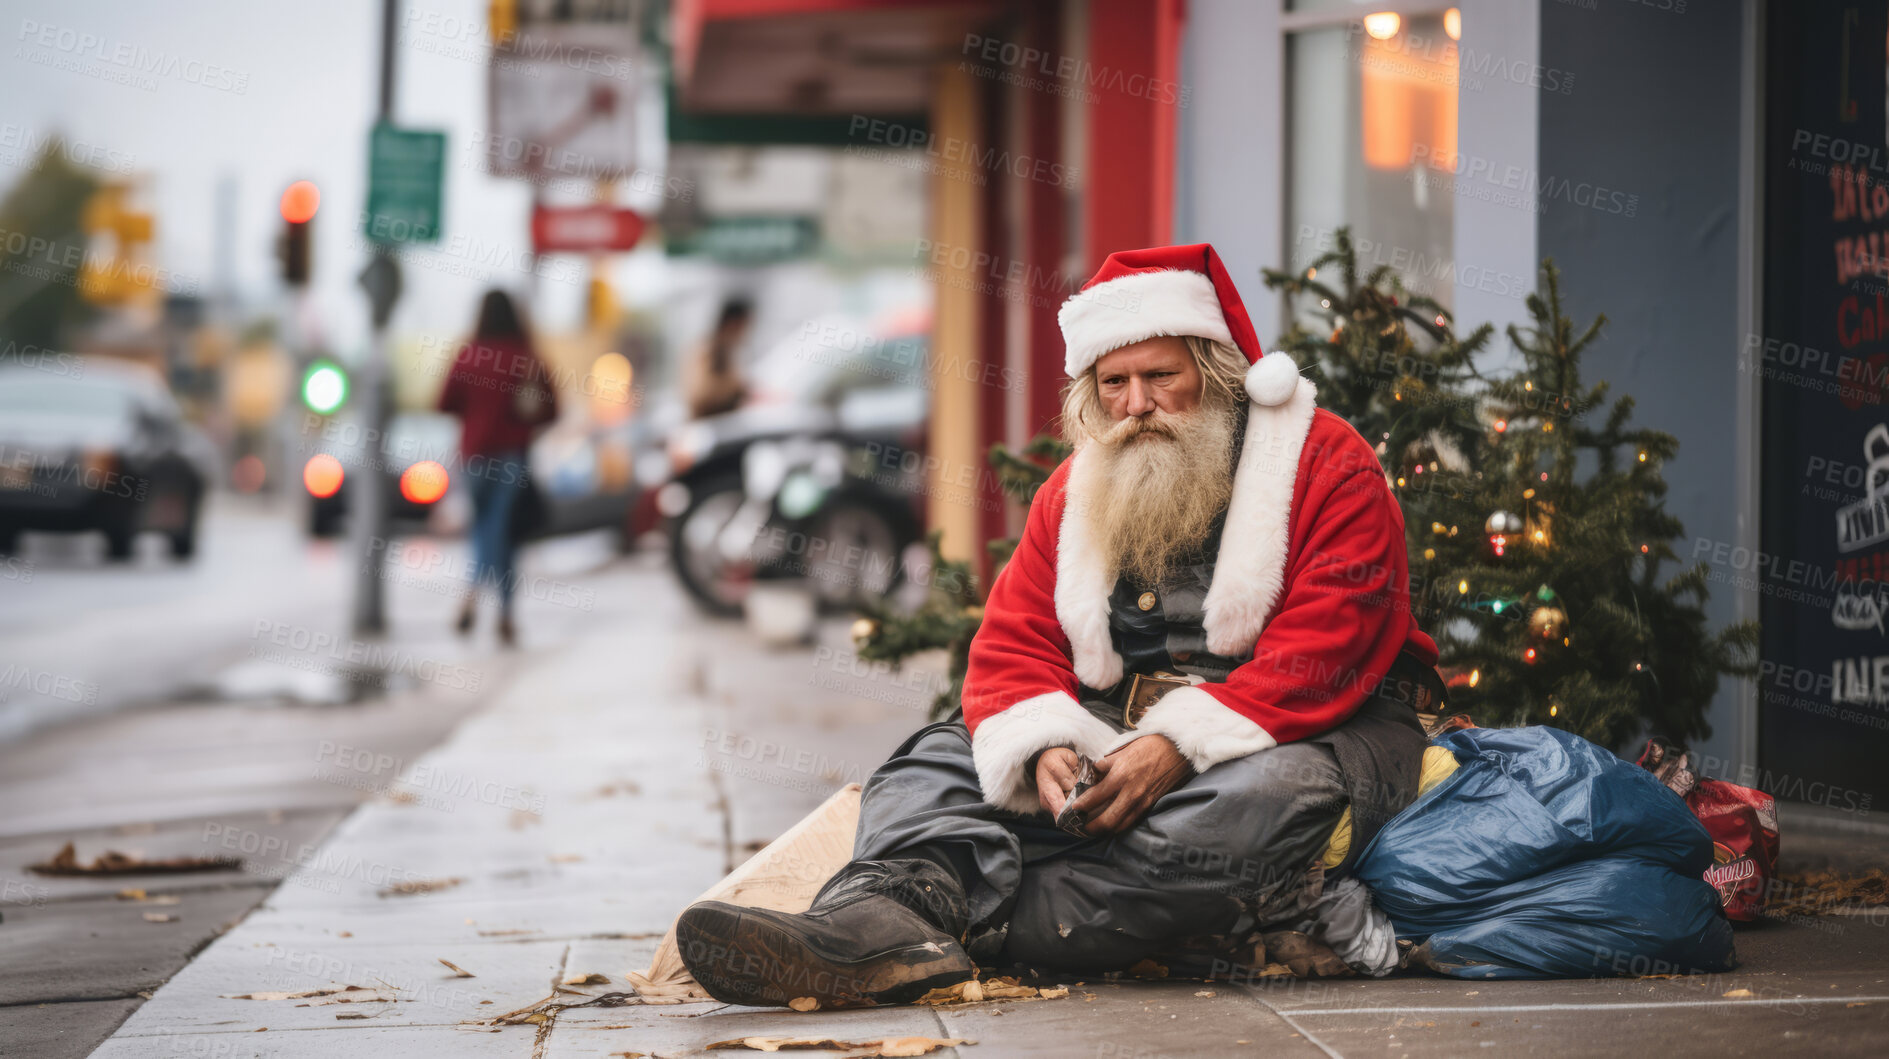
x=1209, y=862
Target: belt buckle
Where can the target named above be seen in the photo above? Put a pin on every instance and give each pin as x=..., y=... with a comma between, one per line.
x=1146, y=689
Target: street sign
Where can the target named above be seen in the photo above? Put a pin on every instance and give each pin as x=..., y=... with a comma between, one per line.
x=751, y=240
x=562, y=102
x=404, y=172
x=584, y=229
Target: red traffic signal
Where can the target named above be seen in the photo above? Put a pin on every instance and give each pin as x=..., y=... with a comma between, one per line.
x=298, y=205
x=300, y=202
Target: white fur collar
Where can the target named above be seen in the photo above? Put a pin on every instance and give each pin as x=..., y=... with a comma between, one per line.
x=1249, y=573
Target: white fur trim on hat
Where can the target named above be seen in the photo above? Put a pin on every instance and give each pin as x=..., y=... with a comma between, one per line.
x=1135, y=307
x=1272, y=379
x=1004, y=743
x=1205, y=730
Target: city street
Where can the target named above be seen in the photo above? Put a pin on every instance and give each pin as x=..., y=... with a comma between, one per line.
x=547, y=828
x=1393, y=498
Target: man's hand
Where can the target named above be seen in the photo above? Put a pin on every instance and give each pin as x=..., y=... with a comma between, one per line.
x=1133, y=779
x=1055, y=775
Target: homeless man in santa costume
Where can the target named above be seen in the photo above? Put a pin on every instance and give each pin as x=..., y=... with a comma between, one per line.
x=1210, y=603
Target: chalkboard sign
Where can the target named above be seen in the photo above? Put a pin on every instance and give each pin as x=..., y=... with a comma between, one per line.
x=1823, y=358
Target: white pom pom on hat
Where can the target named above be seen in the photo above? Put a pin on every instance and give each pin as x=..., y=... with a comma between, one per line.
x=1272, y=379
x=1169, y=290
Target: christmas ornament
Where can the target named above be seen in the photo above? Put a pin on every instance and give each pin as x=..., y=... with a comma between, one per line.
x=1548, y=621
x=1499, y=526
x=1503, y=522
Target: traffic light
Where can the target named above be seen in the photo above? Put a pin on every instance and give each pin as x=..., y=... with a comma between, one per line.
x=299, y=204
x=324, y=387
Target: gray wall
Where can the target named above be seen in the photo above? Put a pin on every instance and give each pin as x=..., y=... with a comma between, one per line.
x=1229, y=180
x=1654, y=112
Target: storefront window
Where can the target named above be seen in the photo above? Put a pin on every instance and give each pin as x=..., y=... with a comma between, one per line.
x=1371, y=140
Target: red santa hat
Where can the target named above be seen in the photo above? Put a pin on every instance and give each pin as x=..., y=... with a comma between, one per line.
x=1168, y=290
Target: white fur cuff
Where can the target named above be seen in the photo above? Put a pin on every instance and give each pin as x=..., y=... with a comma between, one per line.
x=1004, y=743
x=1205, y=730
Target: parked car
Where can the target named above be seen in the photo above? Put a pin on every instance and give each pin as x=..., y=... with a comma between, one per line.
x=104, y=450
x=583, y=473
x=412, y=465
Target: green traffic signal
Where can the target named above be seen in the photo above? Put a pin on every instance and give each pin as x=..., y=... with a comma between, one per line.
x=324, y=388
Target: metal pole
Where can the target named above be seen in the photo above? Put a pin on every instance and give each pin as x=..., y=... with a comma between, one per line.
x=369, y=500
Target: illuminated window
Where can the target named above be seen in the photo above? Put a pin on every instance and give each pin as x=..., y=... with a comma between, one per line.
x=1371, y=137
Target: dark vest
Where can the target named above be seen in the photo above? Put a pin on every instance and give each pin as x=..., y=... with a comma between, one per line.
x=1379, y=749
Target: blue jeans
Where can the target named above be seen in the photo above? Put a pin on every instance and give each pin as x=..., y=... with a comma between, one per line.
x=495, y=492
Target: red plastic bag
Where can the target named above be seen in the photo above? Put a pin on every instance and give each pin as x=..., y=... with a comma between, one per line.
x=1741, y=821
x=1743, y=826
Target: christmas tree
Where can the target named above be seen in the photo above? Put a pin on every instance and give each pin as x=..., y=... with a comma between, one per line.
x=953, y=607
x=1390, y=362
x=1537, y=528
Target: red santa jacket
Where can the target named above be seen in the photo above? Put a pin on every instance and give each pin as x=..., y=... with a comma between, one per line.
x=1312, y=575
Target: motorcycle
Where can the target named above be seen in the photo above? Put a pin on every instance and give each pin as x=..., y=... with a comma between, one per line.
x=794, y=506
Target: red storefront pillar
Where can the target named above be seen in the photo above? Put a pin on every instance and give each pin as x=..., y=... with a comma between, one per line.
x=1134, y=73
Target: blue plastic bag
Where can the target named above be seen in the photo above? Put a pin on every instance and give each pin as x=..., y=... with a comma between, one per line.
x=1545, y=856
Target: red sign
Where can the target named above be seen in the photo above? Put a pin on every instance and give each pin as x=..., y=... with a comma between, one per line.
x=584, y=229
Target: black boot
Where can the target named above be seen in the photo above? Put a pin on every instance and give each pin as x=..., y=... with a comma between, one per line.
x=880, y=932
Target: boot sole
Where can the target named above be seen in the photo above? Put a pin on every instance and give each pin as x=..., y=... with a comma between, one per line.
x=745, y=956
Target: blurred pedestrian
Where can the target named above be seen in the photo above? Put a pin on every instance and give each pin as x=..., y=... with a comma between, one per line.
x=502, y=394
x=713, y=384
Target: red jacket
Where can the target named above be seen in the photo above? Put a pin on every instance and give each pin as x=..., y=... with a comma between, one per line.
x=489, y=382
x=1312, y=576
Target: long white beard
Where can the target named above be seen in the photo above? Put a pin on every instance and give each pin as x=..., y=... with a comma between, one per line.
x=1151, y=487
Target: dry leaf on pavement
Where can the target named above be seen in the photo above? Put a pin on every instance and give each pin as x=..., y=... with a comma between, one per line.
x=458, y=971
x=1737, y=992
x=112, y=862
x=586, y=978
x=353, y=994
x=888, y=1046
x=341, y=994
x=409, y=887
x=804, y=1003
x=975, y=992
x=300, y=994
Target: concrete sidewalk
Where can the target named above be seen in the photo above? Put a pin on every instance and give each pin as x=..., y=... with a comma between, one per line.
x=558, y=831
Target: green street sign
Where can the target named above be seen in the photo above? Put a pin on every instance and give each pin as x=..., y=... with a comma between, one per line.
x=405, y=170
x=749, y=240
